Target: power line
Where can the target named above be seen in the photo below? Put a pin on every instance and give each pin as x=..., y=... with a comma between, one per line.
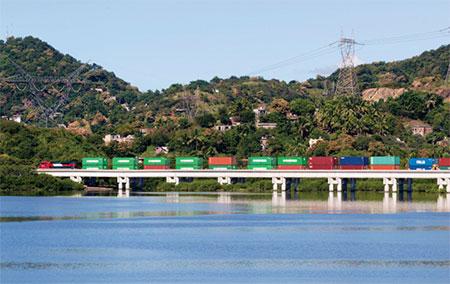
x=323, y=50
x=334, y=46
x=445, y=32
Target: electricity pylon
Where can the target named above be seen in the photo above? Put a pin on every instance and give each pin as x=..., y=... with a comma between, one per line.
x=38, y=87
x=347, y=83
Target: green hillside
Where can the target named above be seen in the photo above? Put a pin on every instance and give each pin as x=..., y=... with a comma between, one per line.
x=183, y=117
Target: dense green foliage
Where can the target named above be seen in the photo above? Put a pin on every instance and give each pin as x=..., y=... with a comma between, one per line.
x=23, y=147
x=183, y=117
x=18, y=178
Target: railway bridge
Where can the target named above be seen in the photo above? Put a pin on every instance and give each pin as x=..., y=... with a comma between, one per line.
x=281, y=179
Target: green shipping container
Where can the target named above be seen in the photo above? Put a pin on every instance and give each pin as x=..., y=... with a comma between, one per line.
x=188, y=167
x=120, y=163
x=444, y=168
x=156, y=161
x=261, y=161
x=294, y=161
x=223, y=167
x=385, y=160
x=189, y=161
x=98, y=163
x=260, y=167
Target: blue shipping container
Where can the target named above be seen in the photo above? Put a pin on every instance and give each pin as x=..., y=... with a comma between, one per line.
x=353, y=161
x=422, y=163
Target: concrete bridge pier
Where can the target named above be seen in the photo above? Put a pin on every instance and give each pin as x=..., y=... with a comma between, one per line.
x=123, y=182
x=224, y=180
x=279, y=181
x=444, y=182
x=334, y=181
x=76, y=179
x=175, y=180
x=390, y=183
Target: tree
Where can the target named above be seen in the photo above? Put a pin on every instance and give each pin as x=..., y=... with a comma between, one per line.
x=205, y=120
x=303, y=107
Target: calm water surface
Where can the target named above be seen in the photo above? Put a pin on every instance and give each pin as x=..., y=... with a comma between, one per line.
x=205, y=238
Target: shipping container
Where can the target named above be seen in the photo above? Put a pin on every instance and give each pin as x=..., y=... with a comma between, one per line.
x=222, y=161
x=292, y=161
x=444, y=162
x=322, y=163
x=94, y=163
x=384, y=167
x=353, y=167
x=188, y=167
x=124, y=163
x=156, y=161
x=385, y=160
x=261, y=167
x=444, y=168
x=222, y=167
x=261, y=161
x=156, y=167
x=351, y=161
x=189, y=161
x=422, y=163
x=291, y=167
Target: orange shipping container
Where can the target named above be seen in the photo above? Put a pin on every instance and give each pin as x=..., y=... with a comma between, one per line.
x=222, y=161
x=384, y=167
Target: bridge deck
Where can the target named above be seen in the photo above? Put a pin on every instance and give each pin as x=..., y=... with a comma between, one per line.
x=434, y=174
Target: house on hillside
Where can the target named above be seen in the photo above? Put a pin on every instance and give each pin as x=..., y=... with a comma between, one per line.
x=109, y=138
x=419, y=127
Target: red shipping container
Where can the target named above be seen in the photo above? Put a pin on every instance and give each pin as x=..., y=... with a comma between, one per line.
x=222, y=161
x=384, y=167
x=158, y=167
x=353, y=167
x=322, y=163
x=291, y=167
x=444, y=162
x=322, y=167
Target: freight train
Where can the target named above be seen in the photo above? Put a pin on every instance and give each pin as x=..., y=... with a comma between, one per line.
x=255, y=163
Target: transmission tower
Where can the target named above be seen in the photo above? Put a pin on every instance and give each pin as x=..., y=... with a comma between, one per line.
x=347, y=84
x=38, y=87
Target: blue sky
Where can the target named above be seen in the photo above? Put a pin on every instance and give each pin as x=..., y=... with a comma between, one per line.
x=152, y=44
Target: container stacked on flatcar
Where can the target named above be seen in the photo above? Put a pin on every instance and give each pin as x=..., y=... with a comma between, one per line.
x=384, y=163
x=156, y=163
x=188, y=163
x=292, y=163
x=261, y=163
x=444, y=163
x=124, y=163
x=422, y=163
x=94, y=163
x=353, y=163
x=222, y=163
x=323, y=163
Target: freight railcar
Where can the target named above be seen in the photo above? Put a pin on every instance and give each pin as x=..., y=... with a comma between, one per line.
x=57, y=165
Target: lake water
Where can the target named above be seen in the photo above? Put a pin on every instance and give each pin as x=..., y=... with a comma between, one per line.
x=204, y=238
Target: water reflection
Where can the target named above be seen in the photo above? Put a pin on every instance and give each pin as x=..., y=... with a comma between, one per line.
x=390, y=202
x=172, y=197
x=443, y=203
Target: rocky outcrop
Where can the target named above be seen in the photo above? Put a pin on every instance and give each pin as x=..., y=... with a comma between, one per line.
x=79, y=127
x=376, y=94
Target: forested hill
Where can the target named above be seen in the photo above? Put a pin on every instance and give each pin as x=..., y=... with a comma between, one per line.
x=183, y=117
